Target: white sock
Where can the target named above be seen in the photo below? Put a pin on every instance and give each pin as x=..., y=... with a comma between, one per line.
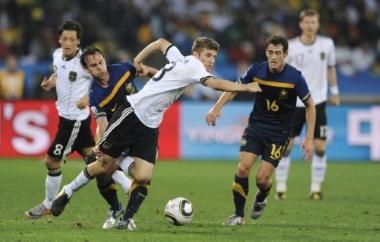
x=282, y=171
x=123, y=180
x=125, y=163
x=76, y=184
x=318, y=170
x=52, y=184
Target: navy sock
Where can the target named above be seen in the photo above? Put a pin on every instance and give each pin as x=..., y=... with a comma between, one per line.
x=240, y=193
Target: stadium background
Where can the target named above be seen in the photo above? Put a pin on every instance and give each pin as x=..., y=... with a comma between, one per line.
x=122, y=28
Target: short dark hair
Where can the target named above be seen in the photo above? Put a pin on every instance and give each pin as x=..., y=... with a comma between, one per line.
x=71, y=25
x=90, y=50
x=201, y=43
x=308, y=12
x=277, y=40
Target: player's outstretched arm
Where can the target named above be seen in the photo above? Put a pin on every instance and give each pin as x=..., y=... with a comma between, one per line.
x=158, y=45
x=307, y=144
x=228, y=86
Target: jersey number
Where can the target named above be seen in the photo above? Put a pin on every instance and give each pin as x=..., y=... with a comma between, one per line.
x=58, y=149
x=272, y=106
x=167, y=68
x=323, y=131
x=276, y=152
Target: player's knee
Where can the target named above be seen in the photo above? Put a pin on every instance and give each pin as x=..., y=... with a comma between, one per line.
x=141, y=178
x=52, y=164
x=243, y=170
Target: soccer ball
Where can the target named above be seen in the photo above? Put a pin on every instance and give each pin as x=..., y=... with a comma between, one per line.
x=179, y=211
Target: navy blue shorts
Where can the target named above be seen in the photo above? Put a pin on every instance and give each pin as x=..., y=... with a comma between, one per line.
x=271, y=148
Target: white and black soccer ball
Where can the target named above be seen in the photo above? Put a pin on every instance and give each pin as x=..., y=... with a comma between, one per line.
x=179, y=211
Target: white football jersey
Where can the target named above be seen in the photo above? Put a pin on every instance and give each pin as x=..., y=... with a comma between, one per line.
x=166, y=86
x=72, y=83
x=312, y=60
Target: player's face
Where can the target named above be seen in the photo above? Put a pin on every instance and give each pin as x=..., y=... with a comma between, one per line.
x=309, y=25
x=69, y=43
x=96, y=66
x=207, y=57
x=276, y=57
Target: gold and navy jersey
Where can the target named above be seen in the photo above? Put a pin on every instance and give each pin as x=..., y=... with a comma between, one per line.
x=274, y=107
x=105, y=100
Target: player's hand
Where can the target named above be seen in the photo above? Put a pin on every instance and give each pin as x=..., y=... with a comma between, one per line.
x=143, y=71
x=211, y=117
x=98, y=152
x=335, y=100
x=83, y=103
x=308, y=148
x=253, y=87
x=47, y=84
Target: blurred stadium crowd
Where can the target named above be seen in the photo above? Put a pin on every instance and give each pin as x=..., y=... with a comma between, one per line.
x=121, y=28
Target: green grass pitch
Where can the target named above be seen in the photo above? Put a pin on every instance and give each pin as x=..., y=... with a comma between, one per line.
x=349, y=212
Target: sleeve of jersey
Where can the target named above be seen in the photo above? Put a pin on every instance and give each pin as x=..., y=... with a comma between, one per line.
x=302, y=89
x=173, y=54
x=331, y=60
x=54, y=55
x=200, y=74
x=129, y=67
x=247, y=76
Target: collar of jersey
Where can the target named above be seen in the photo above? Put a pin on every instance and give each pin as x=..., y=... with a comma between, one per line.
x=76, y=53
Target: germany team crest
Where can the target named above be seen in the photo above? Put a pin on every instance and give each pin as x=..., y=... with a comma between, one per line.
x=323, y=55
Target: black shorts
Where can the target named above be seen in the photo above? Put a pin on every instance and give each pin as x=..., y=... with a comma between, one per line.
x=126, y=132
x=72, y=135
x=271, y=148
x=320, y=121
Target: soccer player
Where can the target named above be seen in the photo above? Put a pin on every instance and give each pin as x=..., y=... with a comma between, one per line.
x=107, y=92
x=314, y=56
x=134, y=126
x=74, y=134
x=269, y=125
